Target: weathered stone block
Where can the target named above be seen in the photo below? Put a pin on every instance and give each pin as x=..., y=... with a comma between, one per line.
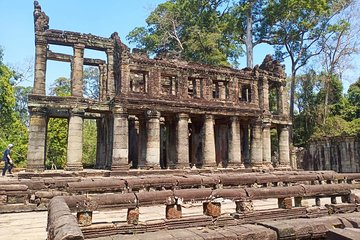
x=133, y=216
x=244, y=206
x=84, y=218
x=173, y=211
x=212, y=209
x=285, y=203
x=3, y=199
x=16, y=199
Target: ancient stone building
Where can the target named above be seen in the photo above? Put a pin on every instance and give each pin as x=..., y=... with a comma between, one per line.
x=160, y=112
x=340, y=154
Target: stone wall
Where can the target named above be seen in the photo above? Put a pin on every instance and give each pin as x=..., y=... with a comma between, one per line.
x=341, y=154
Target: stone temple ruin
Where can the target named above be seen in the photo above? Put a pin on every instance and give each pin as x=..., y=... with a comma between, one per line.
x=161, y=112
x=163, y=116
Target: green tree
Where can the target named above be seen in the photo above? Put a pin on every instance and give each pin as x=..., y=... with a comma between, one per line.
x=296, y=28
x=57, y=128
x=247, y=23
x=196, y=30
x=12, y=129
x=353, y=96
x=306, y=117
x=56, y=143
x=89, y=143
x=21, y=105
x=91, y=82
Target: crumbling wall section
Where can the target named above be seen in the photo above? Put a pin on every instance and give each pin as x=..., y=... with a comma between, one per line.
x=341, y=154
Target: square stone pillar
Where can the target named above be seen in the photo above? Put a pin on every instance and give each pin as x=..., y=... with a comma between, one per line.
x=133, y=216
x=244, y=134
x=264, y=95
x=212, y=209
x=209, y=155
x=120, y=152
x=235, y=144
x=77, y=71
x=266, y=136
x=40, y=66
x=153, y=139
x=173, y=211
x=222, y=91
x=283, y=100
x=256, y=144
x=75, y=141
x=285, y=203
x=84, y=218
x=198, y=88
x=110, y=73
x=142, y=141
x=284, y=150
x=37, y=139
x=102, y=82
x=244, y=206
x=182, y=141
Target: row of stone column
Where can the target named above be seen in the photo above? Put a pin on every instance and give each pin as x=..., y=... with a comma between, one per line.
x=107, y=86
x=149, y=141
x=260, y=143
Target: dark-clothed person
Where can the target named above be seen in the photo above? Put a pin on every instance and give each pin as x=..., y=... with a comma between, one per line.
x=9, y=164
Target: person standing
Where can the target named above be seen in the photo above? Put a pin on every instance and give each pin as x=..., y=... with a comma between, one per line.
x=7, y=159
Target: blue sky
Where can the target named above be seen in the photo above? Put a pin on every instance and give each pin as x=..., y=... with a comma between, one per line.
x=100, y=18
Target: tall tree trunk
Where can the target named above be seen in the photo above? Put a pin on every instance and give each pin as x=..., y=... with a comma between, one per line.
x=326, y=86
x=248, y=40
x=292, y=100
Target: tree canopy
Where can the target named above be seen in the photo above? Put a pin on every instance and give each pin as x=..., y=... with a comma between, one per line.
x=196, y=30
x=12, y=129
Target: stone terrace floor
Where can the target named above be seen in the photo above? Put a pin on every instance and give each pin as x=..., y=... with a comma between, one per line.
x=32, y=225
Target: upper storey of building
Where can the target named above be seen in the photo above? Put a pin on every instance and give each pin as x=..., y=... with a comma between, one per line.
x=136, y=82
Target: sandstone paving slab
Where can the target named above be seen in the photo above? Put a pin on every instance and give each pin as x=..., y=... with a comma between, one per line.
x=23, y=226
x=343, y=234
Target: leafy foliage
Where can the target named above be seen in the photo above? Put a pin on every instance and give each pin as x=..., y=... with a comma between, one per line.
x=56, y=143
x=296, y=28
x=89, y=143
x=196, y=30
x=12, y=129
x=58, y=127
x=21, y=107
x=91, y=82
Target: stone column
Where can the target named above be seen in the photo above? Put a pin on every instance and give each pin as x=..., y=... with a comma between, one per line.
x=102, y=82
x=283, y=100
x=284, y=154
x=256, y=145
x=40, y=66
x=182, y=141
x=235, y=144
x=110, y=73
x=245, y=143
x=37, y=140
x=222, y=91
x=142, y=142
x=75, y=141
x=265, y=95
x=254, y=93
x=266, y=136
x=153, y=139
x=120, y=139
x=197, y=88
x=77, y=71
x=209, y=155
